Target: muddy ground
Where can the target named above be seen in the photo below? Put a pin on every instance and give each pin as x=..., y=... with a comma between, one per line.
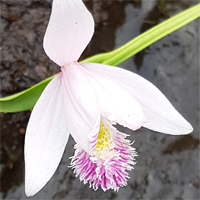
x=167, y=166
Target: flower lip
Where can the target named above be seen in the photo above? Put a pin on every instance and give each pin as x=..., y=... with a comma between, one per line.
x=107, y=165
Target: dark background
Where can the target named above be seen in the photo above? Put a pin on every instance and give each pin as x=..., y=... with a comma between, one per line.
x=167, y=166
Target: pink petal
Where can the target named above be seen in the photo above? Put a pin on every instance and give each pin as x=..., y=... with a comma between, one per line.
x=160, y=115
x=69, y=31
x=82, y=113
x=46, y=137
x=116, y=104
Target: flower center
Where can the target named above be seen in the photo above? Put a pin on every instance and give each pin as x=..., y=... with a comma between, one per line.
x=105, y=142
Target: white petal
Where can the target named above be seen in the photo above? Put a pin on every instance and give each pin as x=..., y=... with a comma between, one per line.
x=70, y=29
x=83, y=114
x=46, y=137
x=116, y=104
x=160, y=115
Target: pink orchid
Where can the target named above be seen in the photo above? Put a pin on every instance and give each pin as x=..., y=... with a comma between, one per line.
x=85, y=100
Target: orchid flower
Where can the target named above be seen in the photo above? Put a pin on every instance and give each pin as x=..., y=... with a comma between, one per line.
x=86, y=100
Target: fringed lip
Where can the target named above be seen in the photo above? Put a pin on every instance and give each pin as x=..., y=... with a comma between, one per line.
x=106, y=166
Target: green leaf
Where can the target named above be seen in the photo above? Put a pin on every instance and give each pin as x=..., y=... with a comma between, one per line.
x=147, y=38
x=26, y=100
